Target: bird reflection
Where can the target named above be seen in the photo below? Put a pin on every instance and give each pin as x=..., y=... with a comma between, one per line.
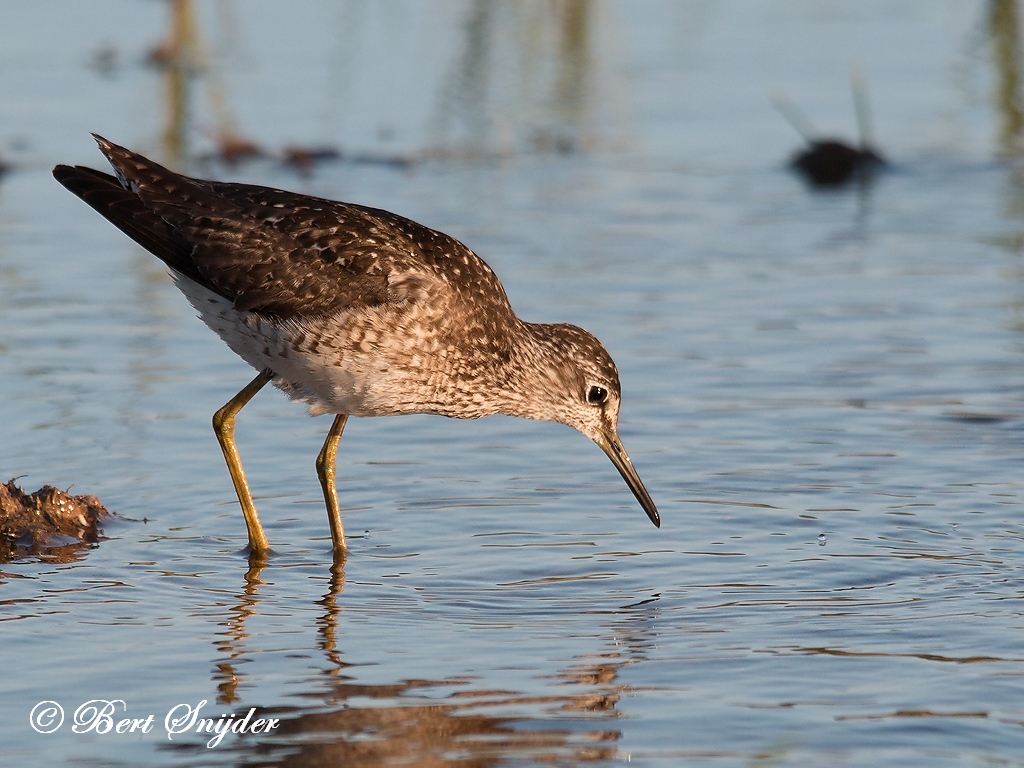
x=407, y=722
x=232, y=644
x=328, y=622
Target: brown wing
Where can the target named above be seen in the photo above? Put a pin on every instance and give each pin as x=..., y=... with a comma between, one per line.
x=368, y=240
x=268, y=251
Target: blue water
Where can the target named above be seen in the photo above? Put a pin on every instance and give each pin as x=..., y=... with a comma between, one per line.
x=794, y=364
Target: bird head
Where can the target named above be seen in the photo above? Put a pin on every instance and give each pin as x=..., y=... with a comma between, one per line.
x=578, y=385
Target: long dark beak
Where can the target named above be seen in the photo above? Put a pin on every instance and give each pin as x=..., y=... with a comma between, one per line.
x=611, y=445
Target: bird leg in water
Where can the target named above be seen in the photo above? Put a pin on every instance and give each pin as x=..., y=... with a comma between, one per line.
x=325, y=471
x=224, y=426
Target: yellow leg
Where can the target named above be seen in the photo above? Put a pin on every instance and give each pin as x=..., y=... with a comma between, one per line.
x=325, y=471
x=224, y=426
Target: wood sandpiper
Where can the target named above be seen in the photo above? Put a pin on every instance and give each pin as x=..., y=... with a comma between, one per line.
x=354, y=311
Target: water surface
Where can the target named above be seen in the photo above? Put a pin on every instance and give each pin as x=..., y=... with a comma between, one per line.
x=822, y=391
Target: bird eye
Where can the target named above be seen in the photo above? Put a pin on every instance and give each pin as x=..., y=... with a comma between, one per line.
x=597, y=395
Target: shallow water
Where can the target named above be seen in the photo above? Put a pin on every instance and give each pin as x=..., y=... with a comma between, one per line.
x=795, y=365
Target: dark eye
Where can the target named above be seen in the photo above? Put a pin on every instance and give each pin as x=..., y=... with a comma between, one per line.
x=597, y=395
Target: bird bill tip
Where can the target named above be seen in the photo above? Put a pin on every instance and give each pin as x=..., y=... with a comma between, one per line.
x=612, y=446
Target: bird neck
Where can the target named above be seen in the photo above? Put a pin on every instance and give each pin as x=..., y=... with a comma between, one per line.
x=531, y=381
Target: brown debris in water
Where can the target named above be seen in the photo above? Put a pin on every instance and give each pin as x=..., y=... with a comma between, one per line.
x=49, y=524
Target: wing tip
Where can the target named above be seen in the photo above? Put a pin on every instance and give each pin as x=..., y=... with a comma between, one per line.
x=106, y=147
x=62, y=172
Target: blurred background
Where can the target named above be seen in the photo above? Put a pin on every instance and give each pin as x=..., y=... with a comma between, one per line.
x=798, y=227
x=491, y=82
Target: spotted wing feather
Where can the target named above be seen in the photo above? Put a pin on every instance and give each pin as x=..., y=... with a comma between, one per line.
x=269, y=251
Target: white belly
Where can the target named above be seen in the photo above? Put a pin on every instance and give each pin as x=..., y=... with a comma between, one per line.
x=319, y=361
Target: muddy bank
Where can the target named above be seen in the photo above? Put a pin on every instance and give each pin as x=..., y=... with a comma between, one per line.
x=49, y=523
